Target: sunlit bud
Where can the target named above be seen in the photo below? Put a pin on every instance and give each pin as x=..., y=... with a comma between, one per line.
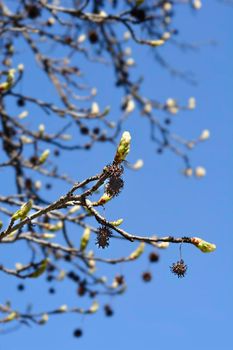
x=117, y=222
x=41, y=129
x=123, y=147
x=103, y=14
x=173, y=110
x=147, y=107
x=38, y=185
x=137, y=165
x=53, y=228
x=188, y=172
x=74, y=209
x=171, y=102
x=63, y=308
x=167, y=6
x=1, y=224
x=204, y=246
x=20, y=67
x=23, y=115
x=197, y=4
x=205, y=135
x=18, y=266
x=85, y=239
x=12, y=316
x=9, y=81
x=44, y=319
x=200, y=171
x=61, y=276
x=40, y=269
x=130, y=62
x=23, y=211
x=95, y=108
x=130, y=106
x=128, y=51
x=66, y=137
x=51, y=21
x=94, y=307
x=48, y=235
x=44, y=156
x=192, y=103
x=166, y=36
x=190, y=144
x=138, y=252
x=94, y=92
x=167, y=19
x=127, y=36
x=154, y=43
x=26, y=140
x=163, y=245
x=81, y=38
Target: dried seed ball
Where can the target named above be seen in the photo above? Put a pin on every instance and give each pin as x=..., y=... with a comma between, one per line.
x=56, y=152
x=120, y=279
x=93, y=37
x=87, y=146
x=167, y=121
x=179, y=268
x=140, y=14
x=73, y=276
x=67, y=257
x=114, y=186
x=33, y=11
x=28, y=184
x=81, y=291
x=20, y=287
x=84, y=130
x=49, y=278
x=92, y=294
x=52, y=290
x=103, y=235
x=108, y=310
x=96, y=131
x=159, y=150
x=78, y=333
x=34, y=160
x=147, y=276
x=21, y=102
x=153, y=257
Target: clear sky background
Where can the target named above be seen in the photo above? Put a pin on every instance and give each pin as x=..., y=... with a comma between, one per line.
x=168, y=313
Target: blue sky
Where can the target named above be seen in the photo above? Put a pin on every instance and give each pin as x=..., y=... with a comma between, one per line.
x=194, y=312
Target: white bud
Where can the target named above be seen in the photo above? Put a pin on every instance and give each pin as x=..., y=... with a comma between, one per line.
x=95, y=108
x=205, y=135
x=192, y=103
x=130, y=62
x=20, y=67
x=200, y=171
x=81, y=38
x=197, y=4
x=127, y=36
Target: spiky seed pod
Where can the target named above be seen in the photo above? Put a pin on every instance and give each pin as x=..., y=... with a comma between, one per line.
x=103, y=235
x=114, y=186
x=179, y=268
x=114, y=169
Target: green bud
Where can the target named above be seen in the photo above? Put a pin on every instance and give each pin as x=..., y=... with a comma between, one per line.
x=117, y=222
x=23, y=211
x=204, y=246
x=123, y=147
x=138, y=252
x=85, y=239
x=4, y=87
x=44, y=156
x=40, y=270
